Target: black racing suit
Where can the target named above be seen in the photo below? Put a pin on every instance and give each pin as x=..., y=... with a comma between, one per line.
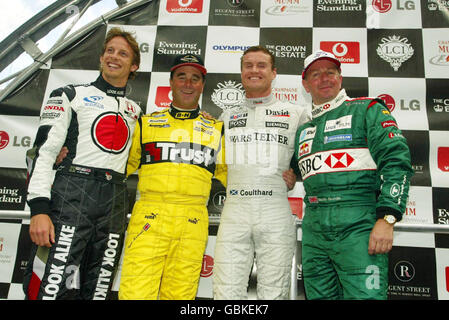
x=85, y=196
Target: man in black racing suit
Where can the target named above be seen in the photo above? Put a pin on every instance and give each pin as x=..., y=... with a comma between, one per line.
x=78, y=209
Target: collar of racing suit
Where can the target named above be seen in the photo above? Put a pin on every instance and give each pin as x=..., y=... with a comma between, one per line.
x=109, y=89
x=254, y=102
x=318, y=110
x=183, y=114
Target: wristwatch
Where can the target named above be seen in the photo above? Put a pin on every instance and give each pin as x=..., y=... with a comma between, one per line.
x=390, y=219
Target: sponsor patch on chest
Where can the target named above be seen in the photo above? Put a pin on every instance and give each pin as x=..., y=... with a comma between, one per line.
x=338, y=124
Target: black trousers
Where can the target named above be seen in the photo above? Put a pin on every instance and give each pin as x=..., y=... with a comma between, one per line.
x=89, y=216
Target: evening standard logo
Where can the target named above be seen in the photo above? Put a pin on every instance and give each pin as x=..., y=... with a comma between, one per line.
x=395, y=50
x=228, y=95
x=10, y=195
x=442, y=58
x=338, y=6
x=183, y=48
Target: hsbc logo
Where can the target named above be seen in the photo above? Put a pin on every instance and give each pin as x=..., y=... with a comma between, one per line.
x=184, y=6
x=339, y=160
x=336, y=160
x=345, y=51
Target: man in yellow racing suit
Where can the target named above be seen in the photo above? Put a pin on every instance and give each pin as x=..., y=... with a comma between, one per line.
x=177, y=151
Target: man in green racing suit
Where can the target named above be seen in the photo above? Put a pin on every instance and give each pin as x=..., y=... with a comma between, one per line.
x=355, y=166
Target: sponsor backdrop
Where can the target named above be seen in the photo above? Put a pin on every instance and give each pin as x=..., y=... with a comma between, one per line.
x=395, y=49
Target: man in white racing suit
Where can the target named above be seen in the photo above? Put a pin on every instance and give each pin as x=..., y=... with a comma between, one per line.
x=257, y=220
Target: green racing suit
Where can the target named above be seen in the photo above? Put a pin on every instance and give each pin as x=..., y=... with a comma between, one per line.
x=355, y=166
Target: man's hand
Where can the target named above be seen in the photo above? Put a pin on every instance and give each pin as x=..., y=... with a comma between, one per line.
x=42, y=231
x=290, y=178
x=62, y=154
x=381, y=238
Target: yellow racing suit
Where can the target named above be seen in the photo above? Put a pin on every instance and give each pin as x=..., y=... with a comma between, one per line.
x=177, y=153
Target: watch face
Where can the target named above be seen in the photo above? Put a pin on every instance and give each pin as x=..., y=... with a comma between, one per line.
x=390, y=219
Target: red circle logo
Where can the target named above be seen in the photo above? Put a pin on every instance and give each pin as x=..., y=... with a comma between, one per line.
x=389, y=101
x=4, y=139
x=110, y=132
x=207, y=267
x=382, y=6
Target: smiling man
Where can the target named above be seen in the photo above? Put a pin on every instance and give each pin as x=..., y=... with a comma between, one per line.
x=78, y=211
x=355, y=166
x=257, y=220
x=177, y=152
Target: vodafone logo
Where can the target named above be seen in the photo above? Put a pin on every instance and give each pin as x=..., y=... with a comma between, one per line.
x=339, y=160
x=164, y=97
x=4, y=139
x=345, y=51
x=207, y=267
x=110, y=132
x=389, y=101
x=184, y=6
x=382, y=6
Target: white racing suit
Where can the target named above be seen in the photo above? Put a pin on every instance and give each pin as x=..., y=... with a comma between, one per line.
x=257, y=220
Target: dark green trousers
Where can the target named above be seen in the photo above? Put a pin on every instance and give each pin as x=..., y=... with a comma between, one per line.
x=336, y=263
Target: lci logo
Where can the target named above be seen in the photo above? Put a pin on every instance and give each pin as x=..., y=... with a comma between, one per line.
x=207, y=267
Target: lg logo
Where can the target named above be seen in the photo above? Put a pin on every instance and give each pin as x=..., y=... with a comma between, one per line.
x=207, y=267
x=24, y=141
x=412, y=105
x=383, y=6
